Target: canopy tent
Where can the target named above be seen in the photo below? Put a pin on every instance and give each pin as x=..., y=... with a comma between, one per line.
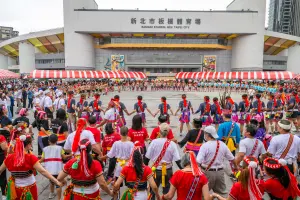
x=297, y=77
x=85, y=74
x=272, y=75
x=5, y=74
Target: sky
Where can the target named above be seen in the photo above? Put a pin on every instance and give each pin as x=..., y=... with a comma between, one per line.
x=36, y=15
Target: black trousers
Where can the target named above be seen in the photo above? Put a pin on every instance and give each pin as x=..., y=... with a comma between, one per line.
x=12, y=111
x=24, y=103
x=111, y=167
x=30, y=104
x=158, y=179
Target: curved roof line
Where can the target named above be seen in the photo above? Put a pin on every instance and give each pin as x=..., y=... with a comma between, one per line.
x=32, y=35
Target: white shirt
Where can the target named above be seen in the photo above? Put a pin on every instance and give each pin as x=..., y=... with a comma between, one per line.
x=280, y=142
x=58, y=103
x=48, y=102
x=155, y=148
x=84, y=135
x=19, y=94
x=42, y=100
x=110, y=114
x=120, y=150
x=208, y=151
x=246, y=146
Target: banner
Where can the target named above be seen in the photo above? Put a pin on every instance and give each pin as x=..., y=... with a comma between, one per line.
x=117, y=63
x=210, y=64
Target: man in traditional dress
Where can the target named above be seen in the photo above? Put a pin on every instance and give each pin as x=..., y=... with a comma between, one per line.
x=163, y=152
x=211, y=158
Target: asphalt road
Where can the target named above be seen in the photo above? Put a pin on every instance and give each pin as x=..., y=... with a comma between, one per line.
x=153, y=100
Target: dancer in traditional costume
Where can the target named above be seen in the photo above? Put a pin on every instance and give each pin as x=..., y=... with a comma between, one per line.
x=86, y=175
x=247, y=187
x=189, y=183
x=71, y=106
x=82, y=107
x=258, y=107
x=120, y=151
x=136, y=176
x=163, y=109
x=233, y=108
x=283, y=184
x=292, y=108
x=60, y=127
x=140, y=108
x=185, y=107
x=95, y=106
x=21, y=164
x=216, y=113
x=244, y=108
x=42, y=124
x=162, y=152
x=194, y=138
x=121, y=109
x=204, y=110
x=270, y=113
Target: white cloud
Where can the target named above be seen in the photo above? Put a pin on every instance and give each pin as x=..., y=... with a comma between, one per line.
x=34, y=15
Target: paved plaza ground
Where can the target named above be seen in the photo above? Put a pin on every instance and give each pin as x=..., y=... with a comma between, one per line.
x=153, y=100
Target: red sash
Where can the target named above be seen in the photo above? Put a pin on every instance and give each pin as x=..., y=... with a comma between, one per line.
x=162, y=153
x=214, y=158
x=254, y=148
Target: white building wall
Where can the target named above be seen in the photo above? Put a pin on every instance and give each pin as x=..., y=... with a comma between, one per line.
x=247, y=51
x=3, y=62
x=11, y=61
x=79, y=48
x=293, y=63
x=26, y=57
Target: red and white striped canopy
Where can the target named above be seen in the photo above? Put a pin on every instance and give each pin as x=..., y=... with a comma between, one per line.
x=5, y=74
x=297, y=77
x=280, y=75
x=85, y=74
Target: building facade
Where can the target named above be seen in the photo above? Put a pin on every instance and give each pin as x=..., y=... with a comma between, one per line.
x=7, y=33
x=159, y=43
x=284, y=16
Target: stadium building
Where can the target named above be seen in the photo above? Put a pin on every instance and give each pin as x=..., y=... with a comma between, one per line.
x=158, y=43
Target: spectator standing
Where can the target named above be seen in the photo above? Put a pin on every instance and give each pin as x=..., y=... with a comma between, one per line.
x=24, y=97
x=30, y=98
x=12, y=103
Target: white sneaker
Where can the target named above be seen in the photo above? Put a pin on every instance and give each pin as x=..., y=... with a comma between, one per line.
x=51, y=195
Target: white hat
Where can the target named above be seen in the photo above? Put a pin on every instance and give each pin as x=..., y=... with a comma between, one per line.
x=46, y=92
x=36, y=94
x=212, y=131
x=58, y=94
x=41, y=92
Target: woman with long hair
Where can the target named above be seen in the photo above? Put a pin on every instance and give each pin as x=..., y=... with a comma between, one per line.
x=194, y=138
x=138, y=133
x=60, y=127
x=190, y=183
x=86, y=175
x=21, y=164
x=282, y=183
x=136, y=176
x=247, y=187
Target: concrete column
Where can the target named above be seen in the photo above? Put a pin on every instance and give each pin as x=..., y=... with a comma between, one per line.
x=3, y=62
x=247, y=50
x=79, y=48
x=26, y=57
x=294, y=59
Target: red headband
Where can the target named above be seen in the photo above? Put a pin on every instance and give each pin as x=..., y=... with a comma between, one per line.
x=80, y=125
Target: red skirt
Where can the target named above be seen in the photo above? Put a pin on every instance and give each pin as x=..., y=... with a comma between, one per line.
x=33, y=191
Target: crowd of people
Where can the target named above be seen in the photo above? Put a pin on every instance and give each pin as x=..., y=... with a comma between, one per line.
x=86, y=146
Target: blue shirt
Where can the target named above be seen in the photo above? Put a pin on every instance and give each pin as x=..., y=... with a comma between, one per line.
x=30, y=94
x=224, y=130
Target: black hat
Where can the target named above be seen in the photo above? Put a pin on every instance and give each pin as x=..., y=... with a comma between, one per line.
x=197, y=121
